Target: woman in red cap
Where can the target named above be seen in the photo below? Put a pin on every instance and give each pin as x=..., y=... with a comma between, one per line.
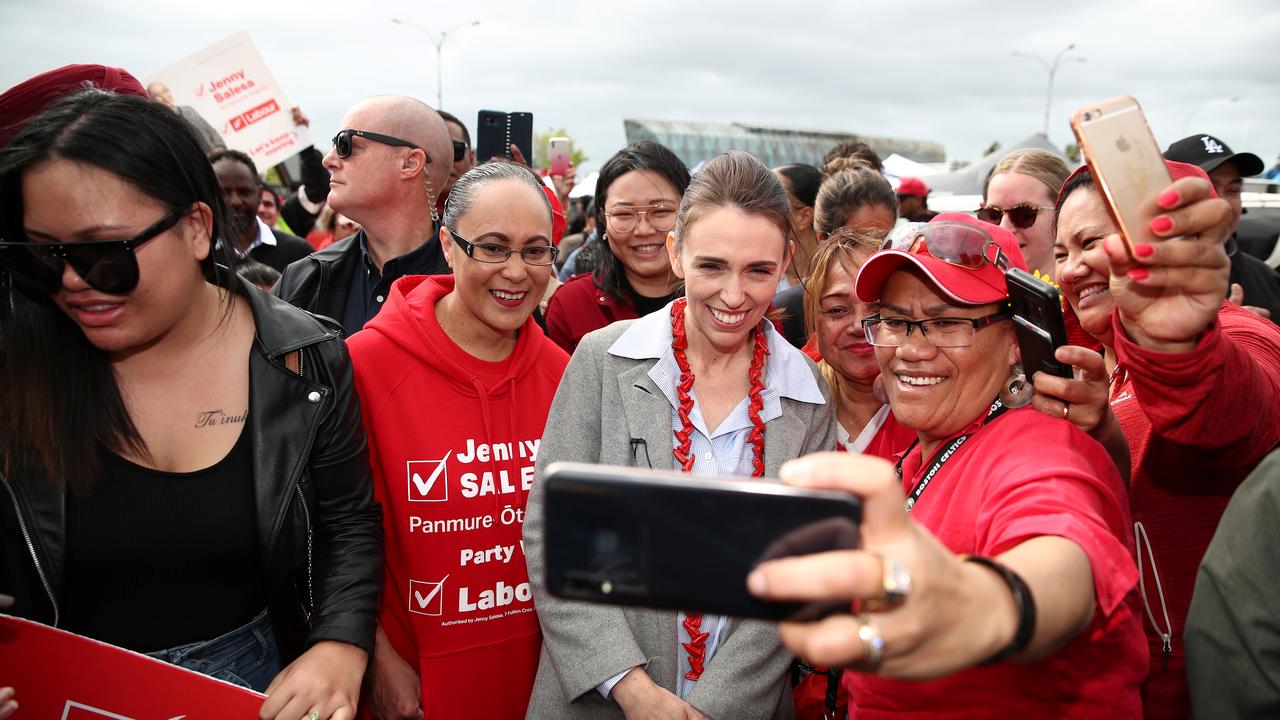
x=1183, y=376
x=1004, y=586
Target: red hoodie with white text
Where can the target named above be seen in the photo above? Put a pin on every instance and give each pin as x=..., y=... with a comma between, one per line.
x=452, y=443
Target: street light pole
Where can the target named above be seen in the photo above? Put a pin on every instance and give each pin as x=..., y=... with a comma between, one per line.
x=444, y=35
x=1052, y=68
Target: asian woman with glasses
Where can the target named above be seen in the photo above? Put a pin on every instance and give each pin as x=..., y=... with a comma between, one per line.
x=456, y=379
x=182, y=454
x=637, y=196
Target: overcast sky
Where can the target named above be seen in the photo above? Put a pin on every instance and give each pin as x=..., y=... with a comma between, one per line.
x=942, y=70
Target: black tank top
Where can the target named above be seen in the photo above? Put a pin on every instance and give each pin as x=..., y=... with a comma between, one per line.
x=158, y=559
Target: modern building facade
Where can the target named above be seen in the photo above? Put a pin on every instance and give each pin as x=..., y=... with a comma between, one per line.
x=697, y=142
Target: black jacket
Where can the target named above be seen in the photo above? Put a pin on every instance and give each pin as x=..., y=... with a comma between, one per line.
x=1261, y=284
x=319, y=282
x=319, y=529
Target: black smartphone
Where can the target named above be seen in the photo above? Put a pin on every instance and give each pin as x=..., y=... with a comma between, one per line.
x=674, y=541
x=1037, y=319
x=498, y=131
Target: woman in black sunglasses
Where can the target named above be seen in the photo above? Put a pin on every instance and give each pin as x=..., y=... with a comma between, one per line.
x=183, y=462
x=1019, y=197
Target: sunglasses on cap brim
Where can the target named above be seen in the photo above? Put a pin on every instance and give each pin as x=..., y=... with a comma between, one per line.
x=1022, y=215
x=108, y=266
x=955, y=243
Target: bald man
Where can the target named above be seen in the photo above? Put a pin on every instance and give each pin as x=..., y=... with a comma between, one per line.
x=387, y=167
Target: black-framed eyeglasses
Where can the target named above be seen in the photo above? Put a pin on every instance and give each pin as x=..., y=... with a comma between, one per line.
x=108, y=266
x=459, y=150
x=1022, y=215
x=956, y=243
x=495, y=253
x=947, y=332
x=342, y=142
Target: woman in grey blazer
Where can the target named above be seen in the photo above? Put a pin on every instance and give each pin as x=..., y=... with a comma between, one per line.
x=707, y=386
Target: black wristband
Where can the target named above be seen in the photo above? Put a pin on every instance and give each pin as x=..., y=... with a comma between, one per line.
x=1022, y=599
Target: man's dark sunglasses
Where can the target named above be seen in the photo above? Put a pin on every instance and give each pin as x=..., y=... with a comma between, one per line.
x=342, y=142
x=459, y=150
x=108, y=266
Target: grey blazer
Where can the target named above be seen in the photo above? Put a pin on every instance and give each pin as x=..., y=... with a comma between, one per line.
x=604, y=401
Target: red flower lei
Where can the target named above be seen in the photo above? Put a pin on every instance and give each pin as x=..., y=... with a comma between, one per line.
x=697, y=645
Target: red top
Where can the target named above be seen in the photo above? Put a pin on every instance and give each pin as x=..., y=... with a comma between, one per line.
x=1197, y=424
x=452, y=445
x=1026, y=475
x=578, y=307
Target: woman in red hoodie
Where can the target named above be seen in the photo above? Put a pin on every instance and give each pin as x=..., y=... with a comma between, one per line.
x=1192, y=382
x=455, y=381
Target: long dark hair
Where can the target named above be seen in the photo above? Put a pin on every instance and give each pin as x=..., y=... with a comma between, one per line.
x=610, y=276
x=60, y=403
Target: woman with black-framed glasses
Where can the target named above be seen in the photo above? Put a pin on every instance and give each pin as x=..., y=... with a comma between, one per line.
x=456, y=379
x=995, y=570
x=182, y=459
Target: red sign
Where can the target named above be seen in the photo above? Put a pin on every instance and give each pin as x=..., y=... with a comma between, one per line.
x=57, y=674
x=252, y=116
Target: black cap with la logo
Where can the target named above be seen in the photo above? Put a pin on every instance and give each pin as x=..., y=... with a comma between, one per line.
x=1209, y=152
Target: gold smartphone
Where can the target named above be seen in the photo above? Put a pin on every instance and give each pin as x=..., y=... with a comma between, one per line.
x=1125, y=162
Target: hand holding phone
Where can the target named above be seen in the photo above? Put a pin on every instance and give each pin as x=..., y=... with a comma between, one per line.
x=1125, y=162
x=1038, y=323
x=1169, y=267
x=682, y=542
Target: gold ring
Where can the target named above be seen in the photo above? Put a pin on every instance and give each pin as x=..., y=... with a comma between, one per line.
x=1066, y=411
x=895, y=586
x=872, y=645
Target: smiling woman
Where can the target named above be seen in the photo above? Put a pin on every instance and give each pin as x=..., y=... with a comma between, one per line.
x=154, y=405
x=637, y=195
x=707, y=386
x=1013, y=538
x=456, y=380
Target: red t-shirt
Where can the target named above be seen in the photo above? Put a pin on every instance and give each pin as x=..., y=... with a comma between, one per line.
x=1197, y=423
x=452, y=445
x=1021, y=476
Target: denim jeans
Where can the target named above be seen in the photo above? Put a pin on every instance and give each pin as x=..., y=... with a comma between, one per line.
x=246, y=656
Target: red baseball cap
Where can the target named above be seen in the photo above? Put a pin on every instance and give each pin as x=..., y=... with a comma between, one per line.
x=962, y=233
x=22, y=102
x=913, y=186
x=1177, y=170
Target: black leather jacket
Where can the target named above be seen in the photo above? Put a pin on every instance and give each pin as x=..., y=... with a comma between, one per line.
x=319, y=282
x=319, y=529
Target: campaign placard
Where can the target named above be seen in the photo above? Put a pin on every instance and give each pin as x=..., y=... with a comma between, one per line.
x=61, y=675
x=230, y=86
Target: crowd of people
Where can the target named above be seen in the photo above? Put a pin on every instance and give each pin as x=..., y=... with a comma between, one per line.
x=335, y=446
